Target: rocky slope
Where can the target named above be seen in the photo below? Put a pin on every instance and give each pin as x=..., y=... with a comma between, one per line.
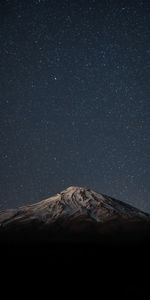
x=75, y=214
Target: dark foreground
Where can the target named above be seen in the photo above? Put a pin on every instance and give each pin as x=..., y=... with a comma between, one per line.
x=75, y=269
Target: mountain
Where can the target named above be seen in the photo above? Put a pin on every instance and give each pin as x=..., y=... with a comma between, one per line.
x=76, y=214
x=77, y=238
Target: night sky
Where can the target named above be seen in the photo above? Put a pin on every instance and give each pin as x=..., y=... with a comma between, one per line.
x=74, y=99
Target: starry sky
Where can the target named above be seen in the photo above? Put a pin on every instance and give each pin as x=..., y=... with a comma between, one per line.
x=74, y=99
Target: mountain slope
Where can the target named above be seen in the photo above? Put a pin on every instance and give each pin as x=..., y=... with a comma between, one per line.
x=74, y=214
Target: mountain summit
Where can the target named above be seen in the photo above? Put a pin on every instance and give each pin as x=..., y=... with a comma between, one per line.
x=75, y=214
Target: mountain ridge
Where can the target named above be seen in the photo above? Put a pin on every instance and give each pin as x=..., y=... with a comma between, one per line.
x=74, y=214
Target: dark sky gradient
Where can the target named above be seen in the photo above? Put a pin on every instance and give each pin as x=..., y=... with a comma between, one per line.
x=75, y=99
